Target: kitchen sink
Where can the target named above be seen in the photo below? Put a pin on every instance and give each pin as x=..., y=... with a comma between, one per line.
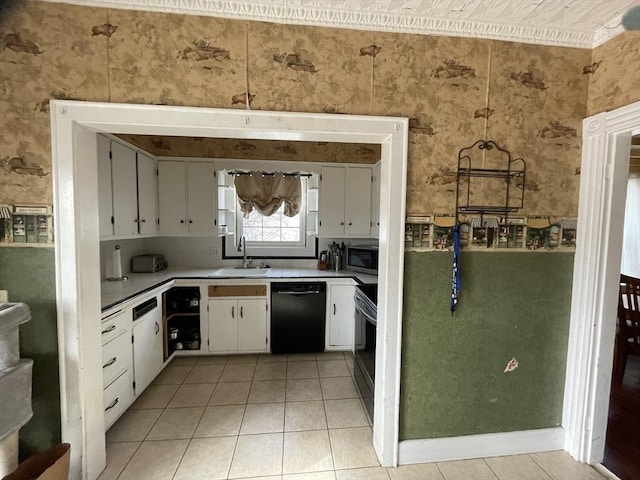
x=240, y=272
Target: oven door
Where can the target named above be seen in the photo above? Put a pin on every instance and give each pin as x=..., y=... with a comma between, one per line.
x=365, y=354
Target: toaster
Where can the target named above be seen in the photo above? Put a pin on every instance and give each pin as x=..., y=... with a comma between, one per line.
x=149, y=263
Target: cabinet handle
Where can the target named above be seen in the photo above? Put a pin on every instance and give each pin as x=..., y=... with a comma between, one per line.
x=143, y=221
x=342, y=224
x=135, y=220
x=190, y=221
x=334, y=308
x=233, y=312
x=181, y=221
x=349, y=223
x=110, y=362
x=241, y=311
x=113, y=404
x=157, y=328
x=110, y=329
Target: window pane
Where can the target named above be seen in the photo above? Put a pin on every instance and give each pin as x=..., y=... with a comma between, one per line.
x=290, y=234
x=271, y=235
x=252, y=234
x=273, y=220
x=273, y=229
x=291, y=221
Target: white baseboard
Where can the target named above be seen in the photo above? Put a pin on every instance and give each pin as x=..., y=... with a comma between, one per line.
x=479, y=446
x=605, y=472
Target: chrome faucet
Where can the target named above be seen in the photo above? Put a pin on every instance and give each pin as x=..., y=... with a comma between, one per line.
x=242, y=247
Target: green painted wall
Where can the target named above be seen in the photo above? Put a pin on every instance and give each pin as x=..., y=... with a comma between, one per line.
x=28, y=275
x=511, y=304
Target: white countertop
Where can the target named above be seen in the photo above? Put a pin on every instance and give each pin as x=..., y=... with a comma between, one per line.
x=117, y=292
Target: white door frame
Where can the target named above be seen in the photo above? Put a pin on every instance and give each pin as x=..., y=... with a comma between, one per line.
x=603, y=188
x=74, y=158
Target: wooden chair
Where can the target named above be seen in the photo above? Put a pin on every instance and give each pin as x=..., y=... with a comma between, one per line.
x=628, y=337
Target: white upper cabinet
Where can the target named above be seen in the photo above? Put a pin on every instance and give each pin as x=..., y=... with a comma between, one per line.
x=105, y=196
x=127, y=191
x=345, y=202
x=187, y=197
x=147, y=195
x=172, y=197
x=201, y=197
x=358, y=202
x=332, y=201
x=125, y=204
x=375, y=201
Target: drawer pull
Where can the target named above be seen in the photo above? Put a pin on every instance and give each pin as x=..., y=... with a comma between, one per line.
x=110, y=329
x=113, y=404
x=233, y=312
x=110, y=362
x=241, y=312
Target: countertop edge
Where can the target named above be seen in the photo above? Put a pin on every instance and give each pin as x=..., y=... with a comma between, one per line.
x=362, y=279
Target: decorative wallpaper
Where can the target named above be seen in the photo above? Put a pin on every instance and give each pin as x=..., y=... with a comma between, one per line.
x=176, y=59
x=309, y=69
x=255, y=149
x=439, y=83
x=613, y=73
x=46, y=51
x=538, y=98
x=528, y=98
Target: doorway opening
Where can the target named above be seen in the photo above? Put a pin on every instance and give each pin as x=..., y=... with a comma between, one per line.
x=604, y=172
x=74, y=148
x=623, y=443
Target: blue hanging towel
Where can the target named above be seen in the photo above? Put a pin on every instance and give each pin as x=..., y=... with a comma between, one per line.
x=455, y=276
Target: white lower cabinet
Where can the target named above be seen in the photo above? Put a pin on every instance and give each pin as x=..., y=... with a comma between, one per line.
x=147, y=348
x=117, y=398
x=132, y=354
x=117, y=364
x=238, y=319
x=340, y=317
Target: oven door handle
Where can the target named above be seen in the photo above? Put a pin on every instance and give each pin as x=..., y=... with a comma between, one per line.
x=369, y=318
x=308, y=292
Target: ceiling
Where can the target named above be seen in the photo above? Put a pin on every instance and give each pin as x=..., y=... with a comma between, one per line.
x=573, y=23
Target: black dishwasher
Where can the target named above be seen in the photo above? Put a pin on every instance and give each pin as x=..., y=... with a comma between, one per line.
x=298, y=317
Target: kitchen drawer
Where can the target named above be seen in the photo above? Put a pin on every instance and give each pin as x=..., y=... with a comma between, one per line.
x=116, y=358
x=114, y=324
x=237, y=291
x=117, y=398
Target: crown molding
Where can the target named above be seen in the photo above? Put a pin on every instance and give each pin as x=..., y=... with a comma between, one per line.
x=343, y=18
x=606, y=33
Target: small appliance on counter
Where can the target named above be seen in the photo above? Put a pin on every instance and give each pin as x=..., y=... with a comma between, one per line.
x=149, y=263
x=362, y=259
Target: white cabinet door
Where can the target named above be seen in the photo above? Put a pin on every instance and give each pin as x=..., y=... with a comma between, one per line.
x=223, y=325
x=341, y=317
x=375, y=202
x=358, y=202
x=125, y=201
x=252, y=325
x=105, y=195
x=172, y=197
x=332, y=201
x=147, y=194
x=147, y=349
x=201, y=197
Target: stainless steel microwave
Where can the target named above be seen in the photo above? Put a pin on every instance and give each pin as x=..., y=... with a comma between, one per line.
x=362, y=258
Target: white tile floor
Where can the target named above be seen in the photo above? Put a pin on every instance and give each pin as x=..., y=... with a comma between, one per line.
x=278, y=417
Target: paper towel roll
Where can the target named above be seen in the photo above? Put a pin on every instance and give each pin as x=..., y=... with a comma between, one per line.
x=117, y=262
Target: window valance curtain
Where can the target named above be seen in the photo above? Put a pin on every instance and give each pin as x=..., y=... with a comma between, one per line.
x=267, y=192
